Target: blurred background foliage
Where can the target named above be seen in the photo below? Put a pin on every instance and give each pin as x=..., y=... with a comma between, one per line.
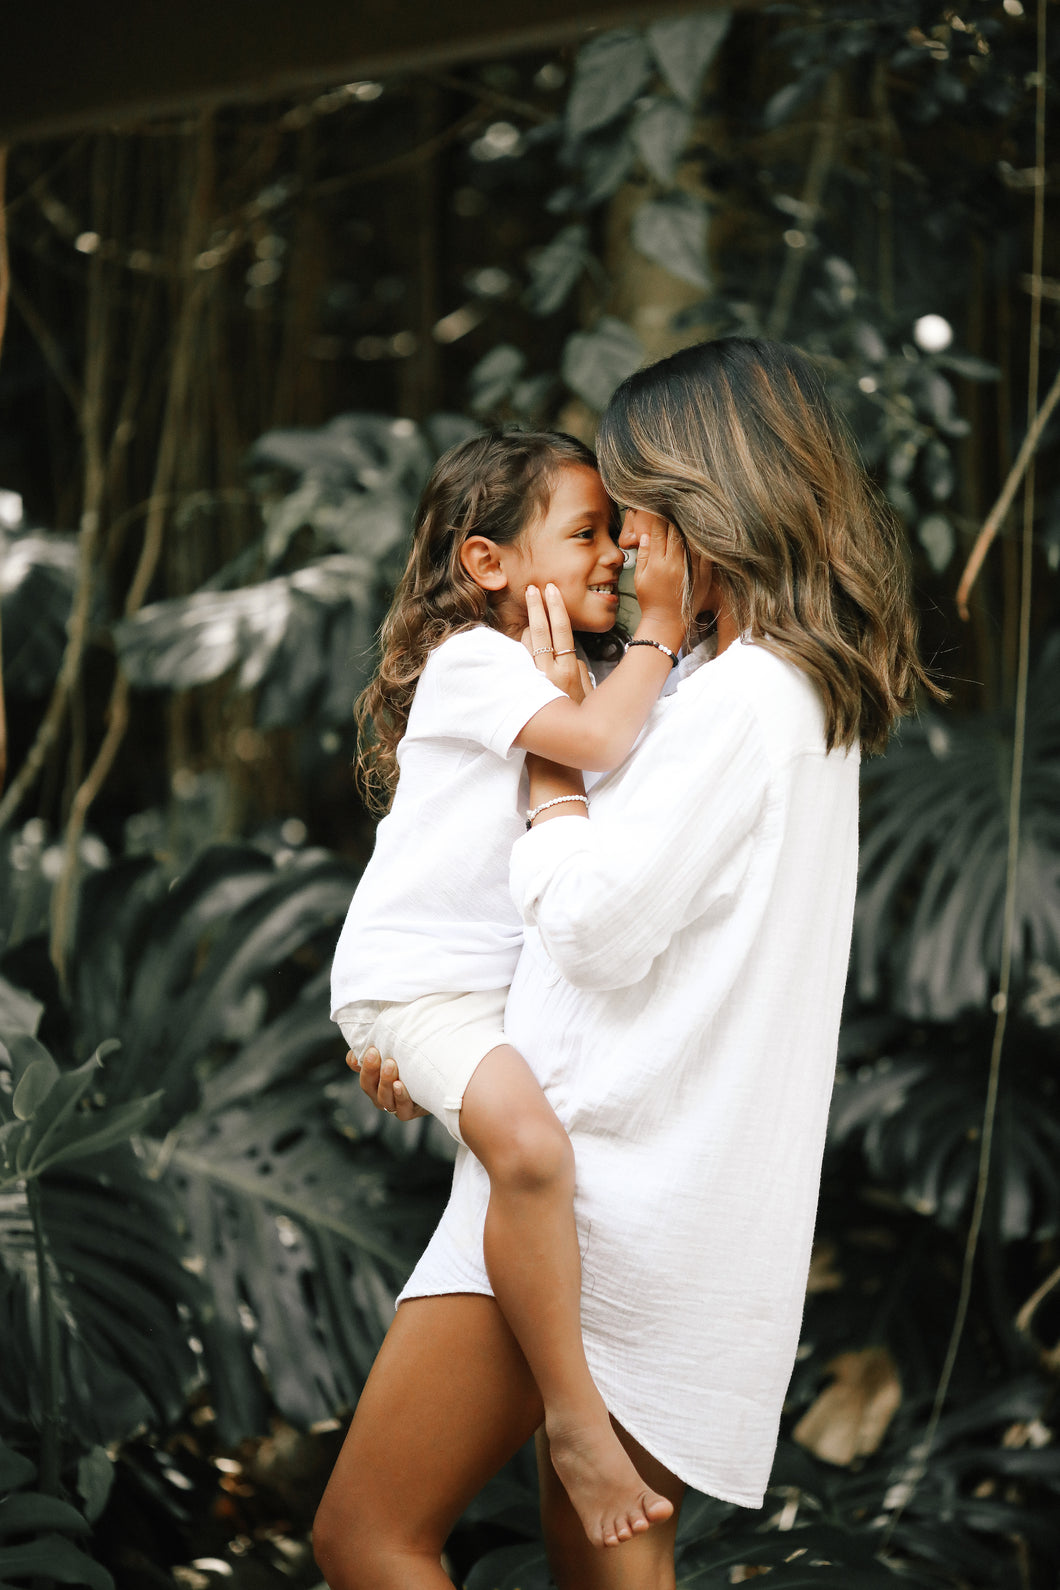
x=237, y=343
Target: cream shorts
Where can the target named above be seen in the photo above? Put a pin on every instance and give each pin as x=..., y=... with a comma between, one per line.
x=437, y=1041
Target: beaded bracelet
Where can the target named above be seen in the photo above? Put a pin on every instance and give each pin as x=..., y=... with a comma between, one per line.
x=560, y=800
x=658, y=647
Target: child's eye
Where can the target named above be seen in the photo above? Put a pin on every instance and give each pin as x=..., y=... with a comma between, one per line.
x=584, y=535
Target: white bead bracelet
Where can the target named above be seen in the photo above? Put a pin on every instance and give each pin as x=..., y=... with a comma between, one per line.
x=560, y=800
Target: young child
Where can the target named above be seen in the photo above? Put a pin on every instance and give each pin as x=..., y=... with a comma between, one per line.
x=422, y=967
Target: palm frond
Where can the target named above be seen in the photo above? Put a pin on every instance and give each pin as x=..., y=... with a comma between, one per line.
x=933, y=870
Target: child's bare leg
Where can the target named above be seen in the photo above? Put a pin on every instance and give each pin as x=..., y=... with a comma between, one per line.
x=647, y=1563
x=531, y=1251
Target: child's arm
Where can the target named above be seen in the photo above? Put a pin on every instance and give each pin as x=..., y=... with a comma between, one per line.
x=599, y=732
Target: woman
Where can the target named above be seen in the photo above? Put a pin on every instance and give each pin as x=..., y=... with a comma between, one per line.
x=678, y=994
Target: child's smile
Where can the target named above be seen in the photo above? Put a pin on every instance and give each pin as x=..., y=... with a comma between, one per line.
x=573, y=546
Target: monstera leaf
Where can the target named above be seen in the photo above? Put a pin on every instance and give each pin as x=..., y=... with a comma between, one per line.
x=302, y=638
x=35, y=1531
x=38, y=570
x=91, y=1273
x=303, y=1208
x=933, y=867
x=916, y=1110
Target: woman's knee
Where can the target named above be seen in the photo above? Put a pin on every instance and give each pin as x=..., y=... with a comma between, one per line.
x=334, y=1545
x=353, y=1554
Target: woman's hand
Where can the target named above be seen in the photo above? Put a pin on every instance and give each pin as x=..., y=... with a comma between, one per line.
x=550, y=641
x=380, y=1080
x=660, y=578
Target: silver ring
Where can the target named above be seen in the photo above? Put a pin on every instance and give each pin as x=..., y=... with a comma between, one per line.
x=542, y=649
x=389, y=1111
x=570, y=652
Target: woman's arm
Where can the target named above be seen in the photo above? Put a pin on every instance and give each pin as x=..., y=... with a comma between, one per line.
x=608, y=896
x=599, y=731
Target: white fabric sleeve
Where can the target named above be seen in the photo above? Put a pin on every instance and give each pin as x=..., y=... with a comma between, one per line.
x=486, y=688
x=608, y=895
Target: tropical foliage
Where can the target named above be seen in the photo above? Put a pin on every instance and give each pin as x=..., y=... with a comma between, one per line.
x=202, y=1225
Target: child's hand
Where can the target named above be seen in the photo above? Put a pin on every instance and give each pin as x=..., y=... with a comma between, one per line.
x=550, y=640
x=662, y=564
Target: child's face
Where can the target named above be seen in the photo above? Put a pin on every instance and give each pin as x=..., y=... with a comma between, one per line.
x=572, y=544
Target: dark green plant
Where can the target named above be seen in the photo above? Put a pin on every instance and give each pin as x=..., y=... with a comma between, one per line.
x=41, y=1535
x=933, y=864
x=285, y=1184
x=830, y=174
x=91, y=1280
x=337, y=514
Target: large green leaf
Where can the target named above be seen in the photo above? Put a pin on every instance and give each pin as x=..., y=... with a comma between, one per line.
x=673, y=232
x=660, y=133
x=493, y=377
x=117, y=1282
x=609, y=74
x=19, y=1011
x=294, y=1215
x=685, y=46
x=29, y=1512
x=555, y=269
x=15, y=1470
x=277, y=634
x=522, y=1567
x=917, y=1108
x=303, y=1245
x=931, y=895
x=594, y=362
x=192, y=957
x=302, y=639
x=52, y=1557
x=40, y=572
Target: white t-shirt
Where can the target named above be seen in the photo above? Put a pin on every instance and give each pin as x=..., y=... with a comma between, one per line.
x=678, y=997
x=432, y=913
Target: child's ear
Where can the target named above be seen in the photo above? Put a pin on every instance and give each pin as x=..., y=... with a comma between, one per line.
x=480, y=560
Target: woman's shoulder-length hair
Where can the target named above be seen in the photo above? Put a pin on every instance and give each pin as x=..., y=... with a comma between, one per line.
x=737, y=443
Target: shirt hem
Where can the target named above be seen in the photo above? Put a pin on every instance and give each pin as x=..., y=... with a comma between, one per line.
x=410, y=1292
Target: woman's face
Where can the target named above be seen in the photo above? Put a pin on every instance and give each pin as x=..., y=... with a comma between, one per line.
x=637, y=522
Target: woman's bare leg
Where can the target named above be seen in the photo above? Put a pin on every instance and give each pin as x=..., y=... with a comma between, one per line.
x=532, y=1258
x=644, y=1563
x=449, y=1400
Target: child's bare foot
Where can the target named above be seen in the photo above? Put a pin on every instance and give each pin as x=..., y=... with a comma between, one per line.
x=605, y=1490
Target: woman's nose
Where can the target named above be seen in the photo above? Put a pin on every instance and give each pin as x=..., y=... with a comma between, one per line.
x=627, y=536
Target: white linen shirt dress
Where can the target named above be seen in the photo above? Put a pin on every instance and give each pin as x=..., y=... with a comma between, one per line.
x=678, y=995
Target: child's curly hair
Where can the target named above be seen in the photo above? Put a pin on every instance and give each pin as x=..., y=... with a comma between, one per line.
x=492, y=485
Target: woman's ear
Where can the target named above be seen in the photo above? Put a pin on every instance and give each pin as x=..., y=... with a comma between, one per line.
x=481, y=562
